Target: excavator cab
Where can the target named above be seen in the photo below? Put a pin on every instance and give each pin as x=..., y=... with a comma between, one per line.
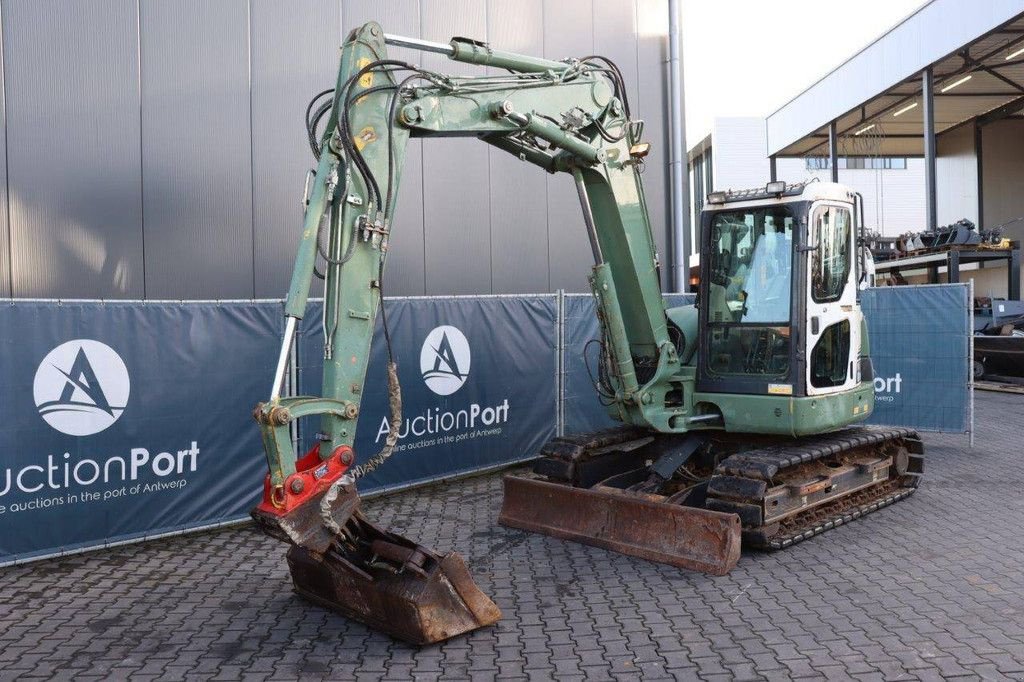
x=778, y=291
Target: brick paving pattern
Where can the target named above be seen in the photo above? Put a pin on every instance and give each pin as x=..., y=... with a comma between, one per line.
x=931, y=588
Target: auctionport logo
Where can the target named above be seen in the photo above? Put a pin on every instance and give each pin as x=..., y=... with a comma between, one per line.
x=445, y=359
x=81, y=387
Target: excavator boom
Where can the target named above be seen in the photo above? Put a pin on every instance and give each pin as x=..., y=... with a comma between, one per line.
x=569, y=116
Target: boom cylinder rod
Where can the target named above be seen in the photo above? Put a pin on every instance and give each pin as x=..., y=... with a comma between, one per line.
x=417, y=44
x=473, y=52
x=588, y=216
x=282, y=359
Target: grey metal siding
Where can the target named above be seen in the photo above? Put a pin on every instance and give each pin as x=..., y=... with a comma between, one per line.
x=456, y=184
x=570, y=33
x=72, y=104
x=196, y=148
x=519, y=199
x=181, y=145
x=615, y=37
x=294, y=53
x=5, y=244
x=1002, y=157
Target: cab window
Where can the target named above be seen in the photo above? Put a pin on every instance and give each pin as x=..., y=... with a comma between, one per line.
x=830, y=262
x=749, y=292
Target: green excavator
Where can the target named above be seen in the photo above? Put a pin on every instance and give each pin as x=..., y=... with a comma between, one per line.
x=738, y=414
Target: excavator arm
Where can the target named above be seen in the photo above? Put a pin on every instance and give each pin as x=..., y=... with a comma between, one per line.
x=564, y=116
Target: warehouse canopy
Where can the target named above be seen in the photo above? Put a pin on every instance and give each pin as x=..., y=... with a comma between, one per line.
x=975, y=51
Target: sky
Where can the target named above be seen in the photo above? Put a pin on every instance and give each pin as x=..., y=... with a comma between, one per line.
x=749, y=57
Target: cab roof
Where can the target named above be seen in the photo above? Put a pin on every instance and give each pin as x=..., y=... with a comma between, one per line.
x=760, y=196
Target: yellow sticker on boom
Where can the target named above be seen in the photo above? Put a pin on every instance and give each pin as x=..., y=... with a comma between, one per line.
x=366, y=80
x=365, y=137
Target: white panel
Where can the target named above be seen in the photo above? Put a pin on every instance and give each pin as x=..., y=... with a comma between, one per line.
x=739, y=159
x=893, y=199
x=956, y=176
x=1003, y=175
x=934, y=31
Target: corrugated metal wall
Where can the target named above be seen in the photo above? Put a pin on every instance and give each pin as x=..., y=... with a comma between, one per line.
x=956, y=176
x=740, y=157
x=893, y=198
x=156, y=148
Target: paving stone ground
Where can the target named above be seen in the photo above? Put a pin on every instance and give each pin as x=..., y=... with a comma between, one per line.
x=931, y=588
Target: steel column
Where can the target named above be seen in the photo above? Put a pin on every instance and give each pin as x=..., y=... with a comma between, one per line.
x=980, y=173
x=1013, y=271
x=833, y=151
x=928, y=99
x=953, y=267
x=679, y=169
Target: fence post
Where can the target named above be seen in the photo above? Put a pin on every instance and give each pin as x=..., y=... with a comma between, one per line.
x=560, y=363
x=970, y=356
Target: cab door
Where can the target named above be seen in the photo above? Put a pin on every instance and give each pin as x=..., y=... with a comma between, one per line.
x=833, y=317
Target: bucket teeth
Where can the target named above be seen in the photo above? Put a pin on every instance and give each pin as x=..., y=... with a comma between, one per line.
x=374, y=576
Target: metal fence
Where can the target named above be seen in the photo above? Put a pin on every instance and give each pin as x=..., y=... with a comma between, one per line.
x=130, y=420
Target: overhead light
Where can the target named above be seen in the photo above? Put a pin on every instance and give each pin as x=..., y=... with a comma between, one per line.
x=865, y=129
x=905, y=109
x=956, y=83
x=1018, y=53
x=716, y=198
x=775, y=187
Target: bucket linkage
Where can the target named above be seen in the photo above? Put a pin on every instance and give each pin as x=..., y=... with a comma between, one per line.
x=341, y=561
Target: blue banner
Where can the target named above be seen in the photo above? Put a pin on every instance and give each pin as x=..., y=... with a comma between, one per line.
x=920, y=340
x=126, y=420
x=478, y=385
x=123, y=420
x=582, y=407
x=920, y=347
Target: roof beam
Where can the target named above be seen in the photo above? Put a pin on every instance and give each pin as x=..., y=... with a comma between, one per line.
x=1008, y=109
x=967, y=67
x=990, y=71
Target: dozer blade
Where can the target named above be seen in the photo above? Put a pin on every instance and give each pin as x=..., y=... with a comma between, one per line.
x=343, y=562
x=637, y=524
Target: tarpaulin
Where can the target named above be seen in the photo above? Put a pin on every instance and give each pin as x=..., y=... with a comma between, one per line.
x=122, y=420
x=583, y=409
x=919, y=336
x=920, y=347
x=478, y=385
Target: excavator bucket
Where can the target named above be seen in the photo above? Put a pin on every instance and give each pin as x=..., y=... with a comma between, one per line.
x=643, y=525
x=341, y=561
